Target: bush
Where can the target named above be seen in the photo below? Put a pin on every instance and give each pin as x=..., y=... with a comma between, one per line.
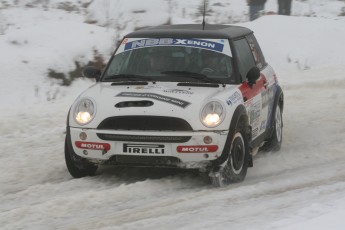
x=67, y=79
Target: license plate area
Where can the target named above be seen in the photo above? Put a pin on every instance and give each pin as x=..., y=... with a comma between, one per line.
x=148, y=160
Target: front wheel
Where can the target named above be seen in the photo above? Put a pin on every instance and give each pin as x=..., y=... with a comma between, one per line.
x=77, y=166
x=235, y=168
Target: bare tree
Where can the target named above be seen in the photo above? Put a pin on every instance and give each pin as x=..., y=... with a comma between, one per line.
x=2, y=23
x=204, y=6
x=120, y=26
x=171, y=6
x=107, y=14
x=342, y=13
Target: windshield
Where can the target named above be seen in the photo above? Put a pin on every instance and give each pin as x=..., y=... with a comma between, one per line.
x=176, y=60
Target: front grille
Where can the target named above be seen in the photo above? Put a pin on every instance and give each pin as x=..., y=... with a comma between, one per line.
x=147, y=160
x=156, y=123
x=137, y=138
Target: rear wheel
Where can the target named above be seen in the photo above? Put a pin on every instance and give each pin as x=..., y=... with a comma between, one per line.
x=235, y=168
x=275, y=142
x=78, y=167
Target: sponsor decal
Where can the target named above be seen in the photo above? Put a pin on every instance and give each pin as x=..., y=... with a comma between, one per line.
x=275, y=79
x=255, y=53
x=197, y=149
x=248, y=103
x=178, y=91
x=92, y=145
x=143, y=148
x=234, y=98
x=270, y=114
x=148, y=87
x=155, y=96
x=267, y=97
x=254, y=113
x=263, y=125
x=255, y=132
x=125, y=41
x=200, y=43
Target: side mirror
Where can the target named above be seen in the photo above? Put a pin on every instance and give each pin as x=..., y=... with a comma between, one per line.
x=92, y=72
x=253, y=75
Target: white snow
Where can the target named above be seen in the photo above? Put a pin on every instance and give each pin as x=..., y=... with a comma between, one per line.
x=300, y=187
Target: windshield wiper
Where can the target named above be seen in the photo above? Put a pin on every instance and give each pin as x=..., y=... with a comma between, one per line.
x=128, y=77
x=197, y=76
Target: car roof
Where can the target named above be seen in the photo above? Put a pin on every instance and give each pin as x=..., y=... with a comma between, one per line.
x=191, y=31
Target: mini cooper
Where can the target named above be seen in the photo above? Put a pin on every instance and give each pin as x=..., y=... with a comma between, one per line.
x=178, y=96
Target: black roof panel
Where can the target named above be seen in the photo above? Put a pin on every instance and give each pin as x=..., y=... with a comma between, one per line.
x=191, y=31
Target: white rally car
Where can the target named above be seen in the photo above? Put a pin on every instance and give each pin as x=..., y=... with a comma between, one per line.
x=179, y=96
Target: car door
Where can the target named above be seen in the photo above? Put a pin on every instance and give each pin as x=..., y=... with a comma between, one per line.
x=252, y=95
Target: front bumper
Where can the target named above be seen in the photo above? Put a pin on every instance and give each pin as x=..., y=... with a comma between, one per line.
x=156, y=148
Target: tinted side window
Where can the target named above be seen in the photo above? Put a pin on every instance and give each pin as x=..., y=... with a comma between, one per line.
x=244, y=57
x=257, y=53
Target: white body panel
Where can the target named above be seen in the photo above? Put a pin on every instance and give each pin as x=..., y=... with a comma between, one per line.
x=106, y=97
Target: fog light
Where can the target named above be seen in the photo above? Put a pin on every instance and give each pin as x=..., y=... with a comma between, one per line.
x=207, y=140
x=85, y=152
x=206, y=155
x=83, y=136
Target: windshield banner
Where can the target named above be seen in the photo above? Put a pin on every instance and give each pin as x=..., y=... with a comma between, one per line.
x=198, y=43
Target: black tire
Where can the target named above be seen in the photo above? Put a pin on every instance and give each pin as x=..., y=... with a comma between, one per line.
x=77, y=166
x=234, y=170
x=275, y=142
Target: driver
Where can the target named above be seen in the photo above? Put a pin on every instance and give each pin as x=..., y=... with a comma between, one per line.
x=159, y=62
x=211, y=62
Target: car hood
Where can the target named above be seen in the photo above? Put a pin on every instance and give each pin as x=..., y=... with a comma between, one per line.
x=159, y=99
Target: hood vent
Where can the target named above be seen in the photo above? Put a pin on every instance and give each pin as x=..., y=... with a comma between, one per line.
x=125, y=104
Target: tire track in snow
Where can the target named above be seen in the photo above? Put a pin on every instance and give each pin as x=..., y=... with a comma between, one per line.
x=290, y=183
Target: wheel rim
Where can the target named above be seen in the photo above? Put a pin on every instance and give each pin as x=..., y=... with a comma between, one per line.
x=237, y=153
x=279, y=127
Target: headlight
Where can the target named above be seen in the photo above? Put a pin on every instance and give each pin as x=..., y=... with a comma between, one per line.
x=85, y=111
x=212, y=114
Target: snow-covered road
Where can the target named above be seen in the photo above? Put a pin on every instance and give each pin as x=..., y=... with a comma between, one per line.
x=305, y=180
